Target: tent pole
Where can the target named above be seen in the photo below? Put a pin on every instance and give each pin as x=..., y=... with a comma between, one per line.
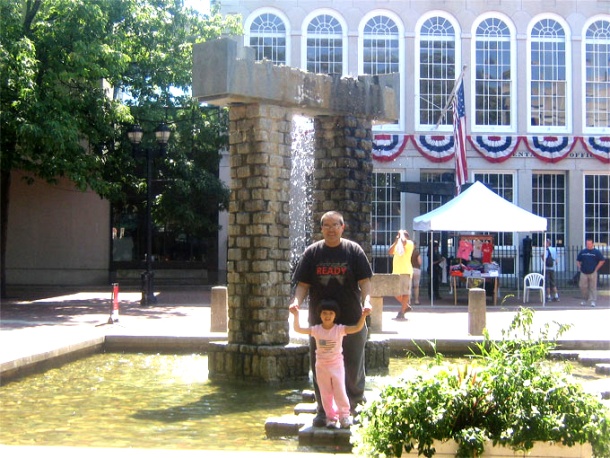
x=431, y=269
x=544, y=269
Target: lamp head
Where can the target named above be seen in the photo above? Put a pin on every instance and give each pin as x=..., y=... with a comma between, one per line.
x=162, y=134
x=135, y=134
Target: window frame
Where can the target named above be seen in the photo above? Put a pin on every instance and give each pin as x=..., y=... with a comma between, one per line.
x=281, y=16
x=593, y=224
x=446, y=124
x=305, y=36
x=585, y=42
x=400, y=125
x=554, y=198
x=567, y=66
x=512, y=126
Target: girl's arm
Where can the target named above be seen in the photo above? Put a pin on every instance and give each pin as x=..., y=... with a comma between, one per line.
x=294, y=309
x=358, y=326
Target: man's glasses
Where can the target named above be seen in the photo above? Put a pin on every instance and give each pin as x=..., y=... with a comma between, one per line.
x=331, y=226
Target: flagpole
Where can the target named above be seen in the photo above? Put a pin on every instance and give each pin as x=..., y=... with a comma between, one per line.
x=451, y=96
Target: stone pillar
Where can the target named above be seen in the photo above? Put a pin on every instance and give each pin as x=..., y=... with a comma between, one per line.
x=382, y=285
x=343, y=178
x=218, y=312
x=476, y=311
x=259, y=239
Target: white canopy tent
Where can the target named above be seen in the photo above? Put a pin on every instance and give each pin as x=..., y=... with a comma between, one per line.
x=479, y=209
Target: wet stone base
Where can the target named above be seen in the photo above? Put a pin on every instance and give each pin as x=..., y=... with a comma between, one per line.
x=377, y=357
x=256, y=363
x=277, y=363
x=300, y=424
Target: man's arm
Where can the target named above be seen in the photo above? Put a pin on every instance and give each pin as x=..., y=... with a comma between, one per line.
x=358, y=326
x=365, y=293
x=600, y=264
x=294, y=309
x=299, y=294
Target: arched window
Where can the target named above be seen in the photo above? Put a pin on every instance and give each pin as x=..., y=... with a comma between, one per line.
x=268, y=38
x=596, y=78
x=549, y=90
x=381, y=51
x=380, y=46
x=324, y=52
x=437, y=70
x=493, y=76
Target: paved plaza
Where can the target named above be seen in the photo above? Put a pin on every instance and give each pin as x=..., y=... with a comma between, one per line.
x=38, y=323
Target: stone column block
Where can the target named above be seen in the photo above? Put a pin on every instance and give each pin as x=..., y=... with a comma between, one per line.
x=476, y=311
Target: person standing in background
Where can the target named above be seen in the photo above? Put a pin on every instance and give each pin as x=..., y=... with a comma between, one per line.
x=550, y=259
x=402, y=250
x=435, y=271
x=589, y=261
x=527, y=254
x=416, y=262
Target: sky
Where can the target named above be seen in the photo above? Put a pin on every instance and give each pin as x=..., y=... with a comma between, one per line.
x=202, y=6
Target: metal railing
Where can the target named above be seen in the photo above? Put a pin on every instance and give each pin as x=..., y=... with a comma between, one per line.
x=513, y=263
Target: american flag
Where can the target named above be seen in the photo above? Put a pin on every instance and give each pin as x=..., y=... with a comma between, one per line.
x=459, y=138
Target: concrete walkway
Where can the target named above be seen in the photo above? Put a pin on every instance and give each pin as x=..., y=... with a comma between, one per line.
x=41, y=323
x=36, y=321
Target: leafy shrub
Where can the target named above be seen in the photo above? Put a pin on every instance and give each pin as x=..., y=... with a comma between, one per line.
x=509, y=395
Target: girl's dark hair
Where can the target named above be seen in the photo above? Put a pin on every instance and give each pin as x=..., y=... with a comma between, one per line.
x=329, y=304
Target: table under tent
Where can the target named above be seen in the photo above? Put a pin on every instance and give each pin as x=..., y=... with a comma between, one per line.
x=479, y=209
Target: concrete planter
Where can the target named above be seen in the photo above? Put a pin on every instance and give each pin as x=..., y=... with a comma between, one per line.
x=540, y=450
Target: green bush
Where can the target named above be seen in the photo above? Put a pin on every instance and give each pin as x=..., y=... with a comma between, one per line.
x=509, y=395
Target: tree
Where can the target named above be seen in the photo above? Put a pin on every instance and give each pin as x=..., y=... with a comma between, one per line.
x=66, y=68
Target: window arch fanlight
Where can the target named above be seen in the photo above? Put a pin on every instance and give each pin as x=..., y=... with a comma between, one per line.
x=492, y=77
x=268, y=32
x=325, y=43
x=596, y=75
x=438, y=47
x=380, y=45
x=381, y=52
x=549, y=89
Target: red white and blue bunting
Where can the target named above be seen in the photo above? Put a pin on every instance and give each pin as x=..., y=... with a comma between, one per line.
x=387, y=147
x=437, y=148
x=598, y=147
x=495, y=148
x=549, y=148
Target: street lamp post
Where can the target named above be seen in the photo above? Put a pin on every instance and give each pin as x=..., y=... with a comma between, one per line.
x=162, y=134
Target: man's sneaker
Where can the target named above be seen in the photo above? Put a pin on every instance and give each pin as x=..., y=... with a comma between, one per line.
x=583, y=303
x=556, y=299
x=592, y=303
x=331, y=424
x=548, y=298
x=400, y=316
x=319, y=421
x=345, y=422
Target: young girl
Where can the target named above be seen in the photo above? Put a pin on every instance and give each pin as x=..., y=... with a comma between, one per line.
x=330, y=371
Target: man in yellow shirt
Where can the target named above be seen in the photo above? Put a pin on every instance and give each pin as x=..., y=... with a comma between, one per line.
x=401, y=250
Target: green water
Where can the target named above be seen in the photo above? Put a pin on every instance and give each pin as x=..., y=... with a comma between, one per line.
x=150, y=401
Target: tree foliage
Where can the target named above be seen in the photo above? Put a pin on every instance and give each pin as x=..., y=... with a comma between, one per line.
x=77, y=73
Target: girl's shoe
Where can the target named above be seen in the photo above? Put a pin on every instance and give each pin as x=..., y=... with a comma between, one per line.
x=331, y=424
x=345, y=422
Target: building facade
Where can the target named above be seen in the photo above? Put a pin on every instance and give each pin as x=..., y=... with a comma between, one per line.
x=536, y=81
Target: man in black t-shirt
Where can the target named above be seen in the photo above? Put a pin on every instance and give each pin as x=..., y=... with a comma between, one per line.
x=338, y=269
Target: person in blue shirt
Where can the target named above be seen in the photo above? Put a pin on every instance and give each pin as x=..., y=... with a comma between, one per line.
x=589, y=261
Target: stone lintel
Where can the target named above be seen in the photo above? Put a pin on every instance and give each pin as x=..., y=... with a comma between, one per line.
x=385, y=285
x=225, y=73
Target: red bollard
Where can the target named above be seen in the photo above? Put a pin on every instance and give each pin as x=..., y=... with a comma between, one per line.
x=114, y=311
